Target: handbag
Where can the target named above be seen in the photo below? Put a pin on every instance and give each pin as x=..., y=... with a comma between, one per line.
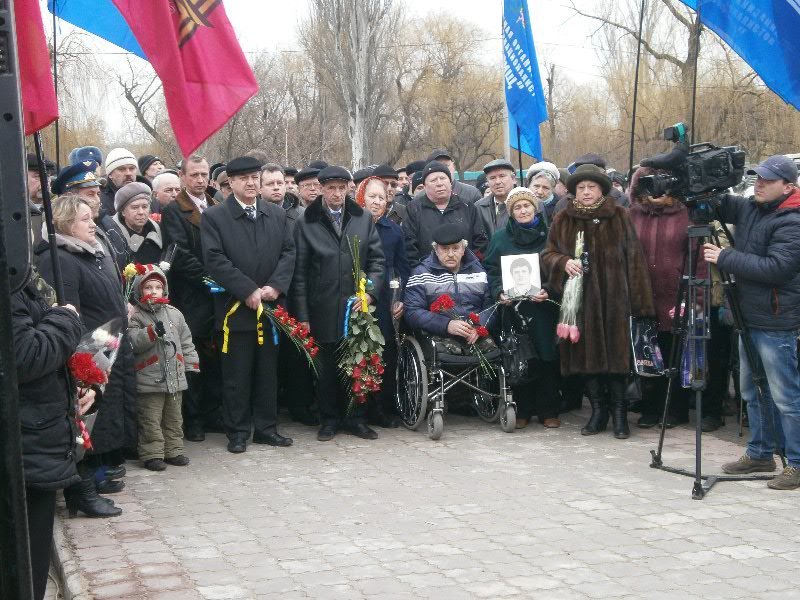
x=647, y=358
x=517, y=349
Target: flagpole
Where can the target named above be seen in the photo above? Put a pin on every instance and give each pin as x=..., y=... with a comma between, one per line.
x=519, y=154
x=55, y=84
x=47, y=208
x=636, y=85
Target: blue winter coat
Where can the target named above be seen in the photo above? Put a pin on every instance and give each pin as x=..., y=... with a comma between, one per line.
x=469, y=288
x=766, y=260
x=394, y=252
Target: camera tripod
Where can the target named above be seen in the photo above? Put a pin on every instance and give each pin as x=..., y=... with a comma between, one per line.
x=693, y=330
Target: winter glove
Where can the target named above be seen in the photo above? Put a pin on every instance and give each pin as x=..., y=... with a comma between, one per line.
x=160, y=330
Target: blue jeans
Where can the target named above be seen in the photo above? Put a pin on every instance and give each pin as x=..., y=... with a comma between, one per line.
x=779, y=418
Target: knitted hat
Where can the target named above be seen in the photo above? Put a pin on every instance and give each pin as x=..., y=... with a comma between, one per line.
x=435, y=167
x=416, y=181
x=119, y=157
x=589, y=173
x=130, y=192
x=481, y=183
x=361, y=191
x=145, y=161
x=518, y=194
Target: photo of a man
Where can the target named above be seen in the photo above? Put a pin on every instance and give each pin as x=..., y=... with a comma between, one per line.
x=521, y=276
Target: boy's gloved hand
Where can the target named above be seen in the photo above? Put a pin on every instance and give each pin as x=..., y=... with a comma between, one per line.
x=159, y=328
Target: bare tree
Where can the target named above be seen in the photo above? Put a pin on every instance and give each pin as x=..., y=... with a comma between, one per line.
x=142, y=91
x=344, y=39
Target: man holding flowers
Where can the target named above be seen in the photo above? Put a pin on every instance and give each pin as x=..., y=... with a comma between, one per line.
x=249, y=252
x=332, y=231
x=448, y=291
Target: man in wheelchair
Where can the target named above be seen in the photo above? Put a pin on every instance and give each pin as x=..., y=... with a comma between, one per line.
x=451, y=269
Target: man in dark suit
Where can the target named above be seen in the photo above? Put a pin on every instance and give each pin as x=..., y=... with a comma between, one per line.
x=323, y=282
x=180, y=225
x=248, y=251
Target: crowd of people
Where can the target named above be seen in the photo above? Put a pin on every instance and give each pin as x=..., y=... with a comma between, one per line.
x=250, y=233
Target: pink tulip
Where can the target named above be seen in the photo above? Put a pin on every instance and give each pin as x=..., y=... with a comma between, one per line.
x=562, y=331
x=574, y=334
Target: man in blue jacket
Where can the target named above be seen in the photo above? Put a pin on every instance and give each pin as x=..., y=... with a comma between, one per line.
x=451, y=269
x=766, y=264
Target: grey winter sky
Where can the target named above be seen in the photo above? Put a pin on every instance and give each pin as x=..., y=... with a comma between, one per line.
x=559, y=35
x=268, y=25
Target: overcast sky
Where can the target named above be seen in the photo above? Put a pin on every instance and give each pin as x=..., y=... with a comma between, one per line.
x=268, y=25
x=558, y=35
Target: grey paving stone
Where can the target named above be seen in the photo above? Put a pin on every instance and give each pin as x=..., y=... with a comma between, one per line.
x=481, y=514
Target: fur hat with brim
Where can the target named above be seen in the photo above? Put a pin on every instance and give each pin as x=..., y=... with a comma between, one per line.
x=589, y=173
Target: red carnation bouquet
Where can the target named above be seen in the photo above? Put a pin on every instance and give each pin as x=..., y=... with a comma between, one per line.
x=445, y=305
x=156, y=217
x=90, y=366
x=297, y=333
x=360, y=353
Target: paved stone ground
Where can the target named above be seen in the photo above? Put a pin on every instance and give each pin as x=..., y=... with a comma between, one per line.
x=479, y=514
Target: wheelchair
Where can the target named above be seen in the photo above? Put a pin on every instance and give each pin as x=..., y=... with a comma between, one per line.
x=425, y=375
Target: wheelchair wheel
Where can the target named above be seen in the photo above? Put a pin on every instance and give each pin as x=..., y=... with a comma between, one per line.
x=487, y=406
x=508, y=418
x=412, y=383
x=435, y=425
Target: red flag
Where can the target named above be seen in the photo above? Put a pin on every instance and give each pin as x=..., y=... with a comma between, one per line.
x=39, y=104
x=194, y=50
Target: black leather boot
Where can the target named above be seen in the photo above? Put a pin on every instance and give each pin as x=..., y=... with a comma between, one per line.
x=619, y=408
x=599, y=419
x=83, y=497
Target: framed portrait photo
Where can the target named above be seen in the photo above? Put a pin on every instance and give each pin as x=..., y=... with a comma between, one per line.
x=521, y=276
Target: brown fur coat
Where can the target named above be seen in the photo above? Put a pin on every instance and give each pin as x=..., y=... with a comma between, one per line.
x=617, y=285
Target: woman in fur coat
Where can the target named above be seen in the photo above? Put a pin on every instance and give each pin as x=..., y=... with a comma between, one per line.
x=616, y=285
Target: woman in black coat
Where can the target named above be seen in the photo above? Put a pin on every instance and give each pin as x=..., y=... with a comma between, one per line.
x=96, y=291
x=44, y=338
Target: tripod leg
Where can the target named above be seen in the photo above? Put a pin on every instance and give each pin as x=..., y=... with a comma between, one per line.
x=697, y=491
x=679, y=323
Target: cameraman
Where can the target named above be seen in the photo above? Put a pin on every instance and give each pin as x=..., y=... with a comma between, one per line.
x=766, y=264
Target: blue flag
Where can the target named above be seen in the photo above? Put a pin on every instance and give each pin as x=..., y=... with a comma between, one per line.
x=523, y=85
x=99, y=17
x=764, y=34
